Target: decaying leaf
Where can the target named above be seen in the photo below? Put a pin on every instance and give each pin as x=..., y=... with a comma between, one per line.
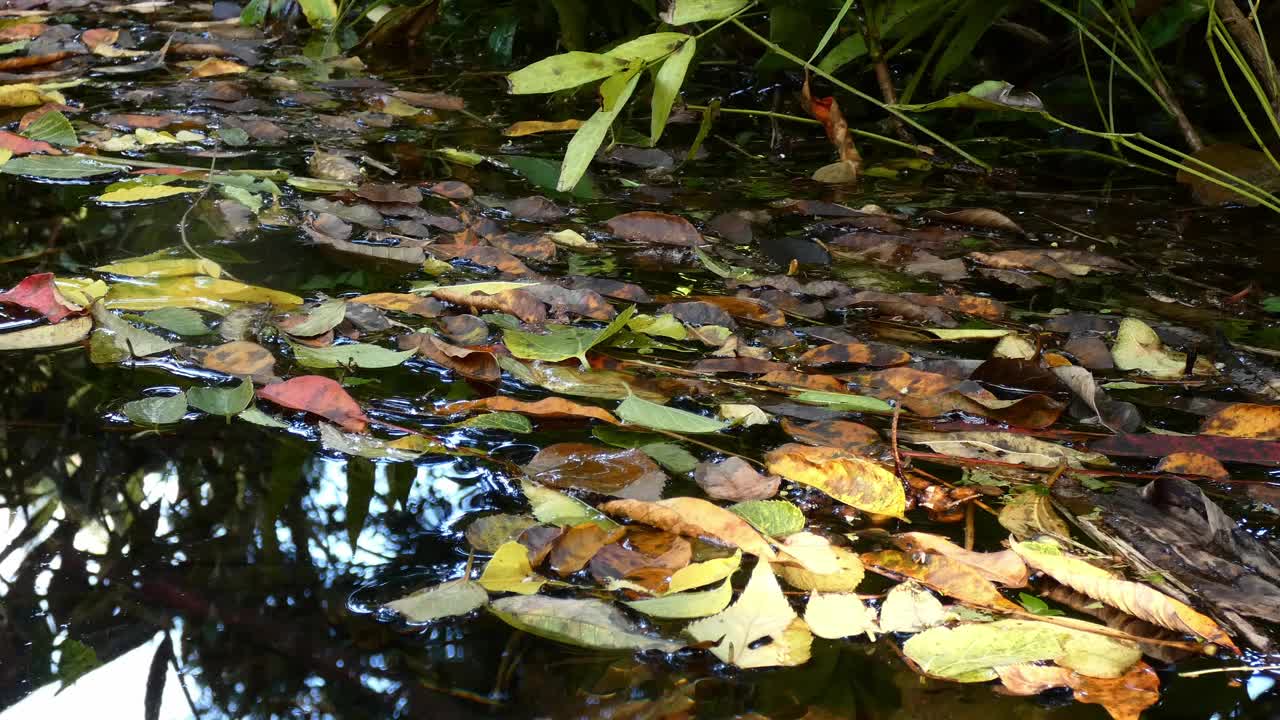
x=949, y=577
x=456, y=597
x=910, y=608
x=1125, y=697
x=849, y=478
x=734, y=479
x=588, y=623
x=838, y=615
x=1004, y=567
x=695, y=517
x=759, y=630
x=1139, y=348
x=1004, y=447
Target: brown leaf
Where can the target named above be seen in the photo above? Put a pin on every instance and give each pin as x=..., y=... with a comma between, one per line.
x=1063, y=264
x=654, y=227
x=982, y=307
x=745, y=309
x=1189, y=463
x=475, y=364
x=547, y=407
x=1224, y=449
x=735, y=480
x=452, y=189
x=949, y=577
x=402, y=302
x=978, y=217
x=320, y=396
x=832, y=433
x=214, y=67
x=853, y=480
x=431, y=100
x=791, y=378
x=30, y=61
x=389, y=193
x=646, y=557
x=694, y=517
x=516, y=302
x=873, y=354
x=1244, y=163
x=240, y=358
x=575, y=548
x=1030, y=514
x=624, y=473
x=1125, y=697
x=739, y=365
x=827, y=111
x=1004, y=567
x=1245, y=420
x=485, y=255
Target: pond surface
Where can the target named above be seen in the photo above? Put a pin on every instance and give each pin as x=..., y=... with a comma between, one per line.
x=218, y=568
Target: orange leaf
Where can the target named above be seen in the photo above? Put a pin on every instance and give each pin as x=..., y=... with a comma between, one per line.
x=949, y=577
x=547, y=407
x=1003, y=567
x=318, y=395
x=695, y=517
x=1124, y=697
x=532, y=127
x=1245, y=420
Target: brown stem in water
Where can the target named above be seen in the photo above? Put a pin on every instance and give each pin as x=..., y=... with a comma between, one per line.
x=1247, y=35
x=871, y=33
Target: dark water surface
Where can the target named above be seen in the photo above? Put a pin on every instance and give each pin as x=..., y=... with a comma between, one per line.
x=223, y=552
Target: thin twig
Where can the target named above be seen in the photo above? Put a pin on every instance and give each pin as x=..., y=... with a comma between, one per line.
x=182, y=224
x=1235, y=669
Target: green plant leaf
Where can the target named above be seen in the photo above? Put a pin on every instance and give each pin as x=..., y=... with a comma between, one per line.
x=179, y=320
x=362, y=355
x=582, y=148
x=1036, y=606
x=52, y=127
x=115, y=339
x=221, y=401
x=320, y=13
x=587, y=623
x=776, y=518
x=504, y=421
x=666, y=86
x=162, y=410
x=255, y=13
x=639, y=411
x=563, y=342
x=844, y=401
x=669, y=455
x=988, y=95
x=319, y=319
x=58, y=167
x=456, y=597
x=257, y=417
x=564, y=71
x=556, y=508
x=75, y=659
x=683, y=12
x=648, y=48
x=1272, y=304
x=686, y=605
x=144, y=192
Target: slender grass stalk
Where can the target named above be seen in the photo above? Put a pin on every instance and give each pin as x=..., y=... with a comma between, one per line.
x=831, y=30
x=810, y=121
x=782, y=52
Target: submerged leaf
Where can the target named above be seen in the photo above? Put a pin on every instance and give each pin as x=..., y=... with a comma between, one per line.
x=587, y=623
x=456, y=597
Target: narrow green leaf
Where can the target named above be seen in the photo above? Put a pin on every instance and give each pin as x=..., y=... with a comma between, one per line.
x=988, y=95
x=183, y=321
x=361, y=355
x=666, y=86
x=648, y=48
x=52, y=127
x=660, y=417
x=221, y=401
x=504, y=421
x=683, y=12
x=58, y=167
x=582, y=148
x=257, y=417
x=844, y=401
x=564, y=71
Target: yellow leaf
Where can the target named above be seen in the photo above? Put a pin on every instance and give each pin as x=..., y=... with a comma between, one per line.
x=144, y=192
x=146, y=136
x=201, y=293
x=696, y=604
x=80, y=290
x=761, y=612
x=213, y=67
x=849, y=478
x=844, y=578
x=509, y=571
x=910, y=608
x=839, y=615
x=163, y=267
x=697, y=575
x=532, y=127
x=28, y=95
x=695, y=517
x=943, y=574
x=1136, y=599
x=1139, y=348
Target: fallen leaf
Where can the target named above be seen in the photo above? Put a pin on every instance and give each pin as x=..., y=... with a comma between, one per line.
x=450, y=599
x=1242, y=420
x=578, y=544
x=759, y=630
x=845, y=578
x=547, y=407
x=39, y=294
x=486, y=534
x=623, y=473
x=475, y=364
x=587, y=623
x=115, y=340
x=873, y=354
x=838, y=615
x=157, y=410
x=694, y=517
x=686, y=605
x=533, y=127
x=978, y=217
x=832, y=433
x=853, y=480
x=1136, y=599
x=949, y=577
x=654, y=227
x=734, y=479
x=320, y=396
x=972, y=652
x=1138, y=347
x=240, y=358
x=1029, y=514
x=1004, y=567
x=362, y=355
x=827, y=111
x=1125, y=697
x=775, y=518
x=1190, y=463
x=636, y=410
x=509, y=571
x=910, y=608
x=563, y=342
x=215, y=67
x=1004, y=447
x=1224, y=449
x=66, y=332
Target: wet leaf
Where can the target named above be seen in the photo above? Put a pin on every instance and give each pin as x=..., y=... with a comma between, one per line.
x=178, y=320
x=695, y=517
x=1139, y=348
x=759, y=630
x=1224, y=449
x=873, y=354
x=361, y=355
x=845, y=578
x=666, y=86
x=844, y=401
x=509, y=571
x=587, y=623
x=1004, y=447
x=221, y=401
x=201, y=293
x=317, y=320
x=949, y=577
x=838, y=615
x=685, y=605
x=547, y=407
x=1004, y=567
x=556, y=508
x=638, y=411
x=1242, y=420
x=582, y=148
x=144, y=192
x=853, y=480
x=66, y=332
x=1029, y=514
x=52, y=127
x=500, y=421
x=987, y=95
x=979, y=217
x=654, y=227
x=450, y=599
x=564, y=71
x=775, y=518
x=563, y=342
x=240, y=358
x=157, y=266
x=1137, y=600
x=910, y=608
x=610, y=471
x=38, y=293
x=1189, y=463
x=533, y=127
x=734, y=479
x=320, y=396
x=1125, y=697
x=159, y=410
x=972, y=652
x=117, y=340
x=704, y=573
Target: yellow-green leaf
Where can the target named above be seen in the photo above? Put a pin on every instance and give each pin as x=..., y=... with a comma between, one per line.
x=144, y=192
x=853, y=480
x=509, y=571
x=150, y=267
x=564, y=71
x=760, y=612
x=696, y=604
x=666, y=86
x=587, y=139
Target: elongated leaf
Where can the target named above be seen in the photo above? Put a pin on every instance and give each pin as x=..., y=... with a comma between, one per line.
x=666, y=86
x=853, y=480
x=695, y=604
x=683, y=12
x=145, y=192
x=947, y=576
x=320, y=13
x=222, y=401
x=988, y=95
x=456, y=597
x=216, y=295
x=503, y=421
x=704, y=573
x=639, y=411
x=844, y=401
x=158, y=266
x=588, y=623
x=118, y=340
x=648, y=48
x=564, y=71
x=58, y=167
x=587, y=139
x=67, y=332
x=695, y=517
x=362, y=355
x=179, y=320
x=563, y=343
x=555, y=508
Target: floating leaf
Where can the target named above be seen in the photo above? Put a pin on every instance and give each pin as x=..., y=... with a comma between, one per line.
x=734, y=479
x=40, y=294
x=776, y=518
x=533, y=127
x=1125, y=697
x=625, y=473
x=314, y=321
x=1243, y=420
x=849, y=478
x=910, y=608
x=363, y=355
x=695, y=517
x=158, y=266
x=118, y=340
x=1029, y=514
x=844, y=401
x=1139, y=348
x=450, y=599
x=66, y=332
x=1004, y=567
x=144, y=192
x=221, y=401
x=160, y=410
x=501, y=421
x=488, y=533
x=178, y=320
x=638, y=411
x=947, y=576
x=759, y=630
x=846, y=577
x=587, y=623
x=52, y=127
x=546, y=407
x=987, y=95
x=838, y=615
x=556, y=508
x=695, y=604
x=564, y=342
x=509, y=571
x=318, y=395
x=704, y=573
x=1004, y=447
x=215, y=295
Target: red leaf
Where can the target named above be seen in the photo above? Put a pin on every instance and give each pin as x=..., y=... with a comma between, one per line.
x=38, y=293
x=19, y=145
x=318, y=395
x=1225, y=449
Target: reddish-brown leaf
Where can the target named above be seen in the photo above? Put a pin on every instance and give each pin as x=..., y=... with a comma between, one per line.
x=38, y=293
x=654, y=227
x=949, y=577
x=1125, y=697
x=318, y=395
x=832, y=433
x=620, y=472
x=547, y=407
x=575, y=548
x=475, y=364
x=19, y=145
x=735, y=480
x=1224, y=449
x=873, y=354
x=516, y=302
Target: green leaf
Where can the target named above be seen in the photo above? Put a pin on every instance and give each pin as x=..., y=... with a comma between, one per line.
x=988, y=95
x=116, y=340
x=648, y=48
x=365, y=446
x=683, y=12
x=978, y=18
x=233, y=136
x=1172, y=20
x=504, y=421
x=587, y=623
x=669, y=455
x=221, y=401
x=639, y=411
x=844, y=401
x=1036, y=606
x=164, y=410
x=666, y=86
x=664, y=325
x=563, y=342
x=58, y=167
x=244, y=197
x=694, y=604
x=564, y=71
x=556, y=508
x=320, y=13
x=255, y=13
x=52, y=127
x=362, y=355
x=144, y=192
x=776, y=518
x=456, y=597
x=257, y=417
x=582, y=148
x=544, y=173
x=179, y=320
x=75, y=659
x=1272, y=304
x=319, y=319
